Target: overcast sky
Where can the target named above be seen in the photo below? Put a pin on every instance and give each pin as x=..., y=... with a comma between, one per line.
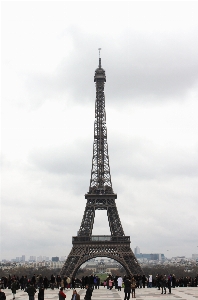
x=49, y=55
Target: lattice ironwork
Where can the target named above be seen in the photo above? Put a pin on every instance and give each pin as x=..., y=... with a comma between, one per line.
x=101, y=202
x=117, y=250
x=100, y=182
x=100, y=197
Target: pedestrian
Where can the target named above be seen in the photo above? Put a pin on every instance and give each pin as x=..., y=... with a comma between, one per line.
x=68, y=283
x=110, y=284
x=62, y=284
x=150, y=280
x=95, y=282
x=173, y=281
x=53, y=279
x=75, y=295
x=14, y=288
x=98, y=282
x=133, y=286
x=158, y=281
x=163, y=284
x=31, y=291
x=127, y=288
x=41, y=292
x=169, y=283
x=143, y=281
x=119, y=281
x=88, y=292
x=34, y=280
x=2, y=295
x=61, y=294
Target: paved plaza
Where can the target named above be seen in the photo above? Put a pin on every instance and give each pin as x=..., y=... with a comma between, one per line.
x=189, y=293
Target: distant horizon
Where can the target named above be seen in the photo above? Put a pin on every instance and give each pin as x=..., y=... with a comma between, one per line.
x=98, y=257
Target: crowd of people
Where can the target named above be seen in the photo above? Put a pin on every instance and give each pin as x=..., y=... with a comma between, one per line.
x=53, y=282
x=40, y=283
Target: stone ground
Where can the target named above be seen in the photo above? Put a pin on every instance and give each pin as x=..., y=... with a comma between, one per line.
x=189, y=293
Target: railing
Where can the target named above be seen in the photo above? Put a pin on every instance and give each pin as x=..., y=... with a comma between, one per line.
x=101, y=238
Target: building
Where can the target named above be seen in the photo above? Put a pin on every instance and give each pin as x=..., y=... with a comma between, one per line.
x=137, y=250
x=194, y=256
x=101, y=265
x=32, y=258
x=63, y=258
x=55, y=258
x=39, y=258
x=151, y=256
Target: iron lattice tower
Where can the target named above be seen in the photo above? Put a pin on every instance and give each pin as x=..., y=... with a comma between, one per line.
x=100, y=197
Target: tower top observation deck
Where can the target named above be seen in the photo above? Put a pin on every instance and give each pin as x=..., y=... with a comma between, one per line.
x=100, y=73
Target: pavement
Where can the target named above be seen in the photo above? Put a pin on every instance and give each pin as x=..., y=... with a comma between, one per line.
x=179, y=293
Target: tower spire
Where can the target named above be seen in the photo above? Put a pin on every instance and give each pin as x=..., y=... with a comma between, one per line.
x=99, y=57
x=100, y=182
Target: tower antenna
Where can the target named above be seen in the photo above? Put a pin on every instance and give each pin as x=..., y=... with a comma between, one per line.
x=99, y=51
x=99, y=57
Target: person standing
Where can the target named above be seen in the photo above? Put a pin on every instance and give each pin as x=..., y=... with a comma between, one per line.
x=107, y=282
x=58, y=281
x=68, y=282
x=95, y=282
x=150, y=280
x=41, y=293
x=61, y=294
x=174, y=281
x=31, y=291
x=88, y=292
x=110, y=284
x=133, y=286
x=53, y=279
x=163, y=284
x=119, y=281
x=169, y=283
x=158, y=281
x=40, y=281
x=116, y=282
x=14, y=288
x=34, y=280
x=98, y=282
x=25, y=282
x=127, y=288
x=143, y=281
x=75, y=296
x=45, y=283
x=2, y=295
x=2, y=285
x=140, y=281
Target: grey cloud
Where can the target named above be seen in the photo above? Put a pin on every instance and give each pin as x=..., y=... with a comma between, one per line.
x=68, y=159
x=139, y=159
x=71, y=166
x=145, y=160
x=143, y=67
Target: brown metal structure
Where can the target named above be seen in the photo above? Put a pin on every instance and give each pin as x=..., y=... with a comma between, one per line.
x=100, y=197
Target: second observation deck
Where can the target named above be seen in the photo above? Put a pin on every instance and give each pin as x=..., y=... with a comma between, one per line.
x=95, y=239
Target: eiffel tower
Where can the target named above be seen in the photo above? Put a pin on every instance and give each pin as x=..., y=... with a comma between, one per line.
x=100, y=197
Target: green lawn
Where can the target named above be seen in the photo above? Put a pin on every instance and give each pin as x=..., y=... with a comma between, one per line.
x=102, y=276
